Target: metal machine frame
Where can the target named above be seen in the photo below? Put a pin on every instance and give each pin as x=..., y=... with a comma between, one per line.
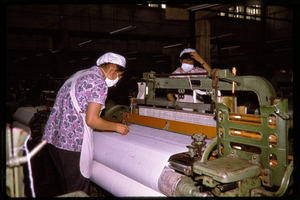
x=216, y=80
x=248, y=155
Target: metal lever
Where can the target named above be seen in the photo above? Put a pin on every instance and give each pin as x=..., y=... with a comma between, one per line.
x=16, y=161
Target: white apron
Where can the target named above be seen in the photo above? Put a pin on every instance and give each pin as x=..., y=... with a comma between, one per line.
x=86, y=156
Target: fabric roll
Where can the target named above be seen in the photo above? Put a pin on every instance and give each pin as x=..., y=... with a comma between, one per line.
x=25, y=114
x=119, y=184
x=142, y=154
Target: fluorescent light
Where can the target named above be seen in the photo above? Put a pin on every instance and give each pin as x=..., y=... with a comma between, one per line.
x=82, y=43
x=221, y=36
x=131, y=52
x=127, y=28
x=233, y=47
x=284, y=49
x=55, y=51
x=225, y=35
x=201, y=7
x=172, y=45
x=131, y=58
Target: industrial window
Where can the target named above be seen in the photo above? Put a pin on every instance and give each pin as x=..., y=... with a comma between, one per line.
x=252, y=12
x=163, y=6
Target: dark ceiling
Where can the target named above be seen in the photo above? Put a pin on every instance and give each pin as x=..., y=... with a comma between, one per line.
x=58, y=39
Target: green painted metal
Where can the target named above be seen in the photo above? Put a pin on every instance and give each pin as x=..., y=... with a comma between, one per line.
x=263, y=88
x=227, y=169
x=186, y=188
x=283, y=187
x=275, y=175
x=115, y=111
x=243, y=165
x=244, y=157
x=208, y=149
x=243, y=189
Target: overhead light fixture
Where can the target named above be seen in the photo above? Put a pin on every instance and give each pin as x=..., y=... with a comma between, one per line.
x=222, y=36
x=232, y=47
x=131, y=52
x=127, y=28
x=284, y=49
x=85, y=42
x=172, y=45
x=85, y=58
x=131, y=59
x=55, y=51
x=201, y=7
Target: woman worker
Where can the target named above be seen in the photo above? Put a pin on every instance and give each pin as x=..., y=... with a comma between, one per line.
x=188, y=58
x=75, y=113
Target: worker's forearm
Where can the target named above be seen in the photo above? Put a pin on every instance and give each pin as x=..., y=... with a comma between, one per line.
x=206, y=67
x=170, y=97
x=101, y=124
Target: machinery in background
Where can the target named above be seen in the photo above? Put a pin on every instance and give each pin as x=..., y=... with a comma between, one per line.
x=14, y=174
x=232, y=153
x=26, y=131
x=16, y=141
x=27, y=126
x=218, y=149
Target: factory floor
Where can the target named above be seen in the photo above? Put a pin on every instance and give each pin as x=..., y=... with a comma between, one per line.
x=45, y=178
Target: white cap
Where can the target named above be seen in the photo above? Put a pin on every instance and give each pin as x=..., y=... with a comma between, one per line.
x=187, y=50
x=113, y=58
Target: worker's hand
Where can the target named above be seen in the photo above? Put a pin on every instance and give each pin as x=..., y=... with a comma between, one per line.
x=178, y=107
x=196, y=56
x=123, y=129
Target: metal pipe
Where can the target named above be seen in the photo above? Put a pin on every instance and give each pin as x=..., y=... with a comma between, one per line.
x=208, y=149
x=283, y=186
x=16, y=161
x=172, y=183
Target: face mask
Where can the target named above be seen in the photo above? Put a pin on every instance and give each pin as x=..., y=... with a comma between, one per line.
x=110, y=82
x=186, y=67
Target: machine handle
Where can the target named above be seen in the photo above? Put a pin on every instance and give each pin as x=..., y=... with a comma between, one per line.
x=16, y=161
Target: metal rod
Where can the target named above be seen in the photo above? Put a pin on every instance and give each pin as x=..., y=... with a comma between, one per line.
x=185, y=74
x=20, y=160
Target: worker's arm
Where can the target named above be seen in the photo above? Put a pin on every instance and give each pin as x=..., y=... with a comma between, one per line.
x=170, y=97
x=96, y=122
x=198, y=58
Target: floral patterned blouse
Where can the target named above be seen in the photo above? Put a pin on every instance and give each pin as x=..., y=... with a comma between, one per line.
x=188, y=97
x=64, y=128
x=194, y=70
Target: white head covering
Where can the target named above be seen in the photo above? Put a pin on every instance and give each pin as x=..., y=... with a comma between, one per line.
x=113, y=58
x=187, y=50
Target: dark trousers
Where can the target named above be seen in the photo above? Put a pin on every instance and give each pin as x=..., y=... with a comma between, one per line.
x=67, y=166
